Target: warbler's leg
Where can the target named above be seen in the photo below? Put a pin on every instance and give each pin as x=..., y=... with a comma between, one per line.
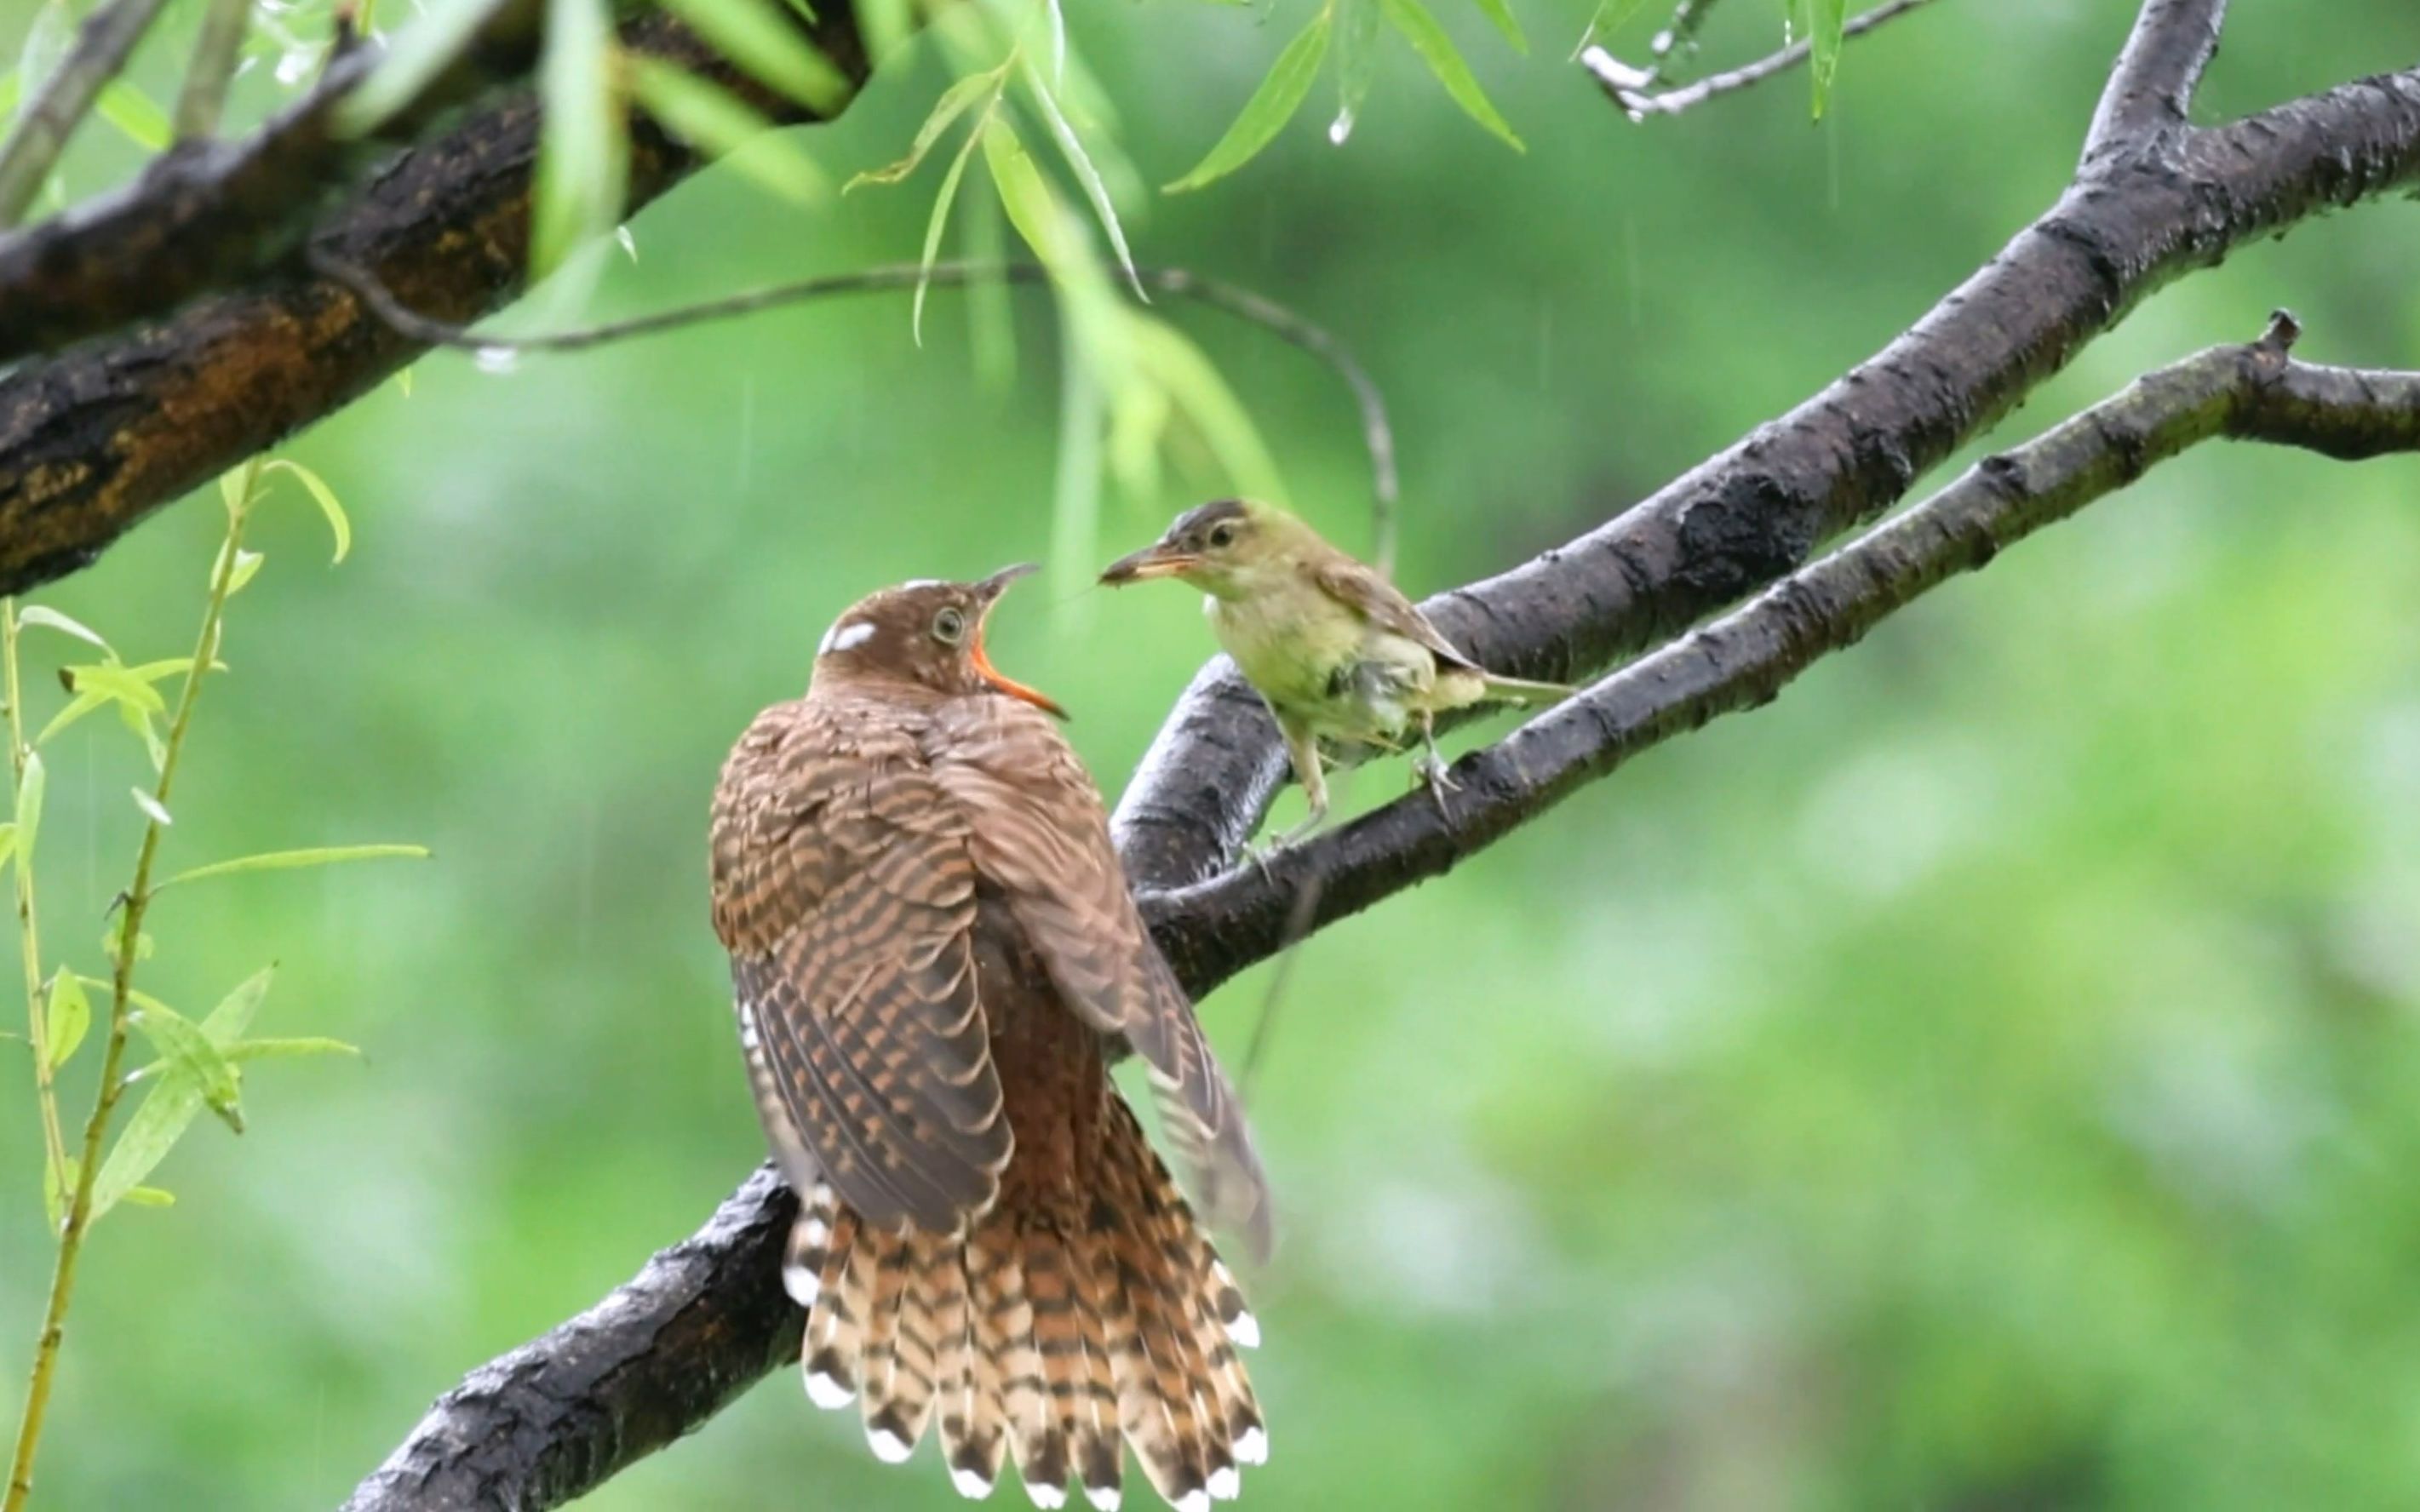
x=1302, y=748
x=1430, y=766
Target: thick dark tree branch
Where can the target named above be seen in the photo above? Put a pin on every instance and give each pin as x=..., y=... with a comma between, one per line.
x=2133, y=220
x=1742, y=660
x=93, y=439
x=2152, y=85
x=206, y=215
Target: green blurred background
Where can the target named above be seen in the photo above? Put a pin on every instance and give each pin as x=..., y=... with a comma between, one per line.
x=1988, y=1078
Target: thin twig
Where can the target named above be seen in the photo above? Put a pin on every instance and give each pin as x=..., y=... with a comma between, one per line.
x=101, y=47
x=1378, y=434
x=217, y=48
x=29, y=936
x=1634, y=89
x=139, y=897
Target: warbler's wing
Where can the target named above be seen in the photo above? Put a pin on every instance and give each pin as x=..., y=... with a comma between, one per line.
x=1363, y=591
x=1042, y=840
x=844, y=887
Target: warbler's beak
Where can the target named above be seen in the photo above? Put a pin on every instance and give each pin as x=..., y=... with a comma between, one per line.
x=990, y=588
x=1158, y=560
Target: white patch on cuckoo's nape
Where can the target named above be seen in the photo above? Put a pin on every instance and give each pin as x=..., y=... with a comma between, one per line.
x=921, y=583
x=845, y=634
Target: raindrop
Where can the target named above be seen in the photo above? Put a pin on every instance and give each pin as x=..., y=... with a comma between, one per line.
x=495, y=360
x=293, y=64
x=1341, y=127
x=629, y=242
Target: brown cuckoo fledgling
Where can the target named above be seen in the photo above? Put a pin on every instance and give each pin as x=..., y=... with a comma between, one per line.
x=935, y=957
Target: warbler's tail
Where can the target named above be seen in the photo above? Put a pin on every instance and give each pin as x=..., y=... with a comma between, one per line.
x=1522, y=691
x=1051, y=1329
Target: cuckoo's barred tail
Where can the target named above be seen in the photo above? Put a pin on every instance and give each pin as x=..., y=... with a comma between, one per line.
x=1051, y=1329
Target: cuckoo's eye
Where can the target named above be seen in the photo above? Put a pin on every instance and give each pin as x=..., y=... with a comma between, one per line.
x=949, y=626
x=1222, y=537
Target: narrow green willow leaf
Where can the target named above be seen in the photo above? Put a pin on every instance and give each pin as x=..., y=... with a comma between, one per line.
x=113, y=681
x=583, y=151
x=1825, y=20
x=719, y=124
x=186, y=1051
x=8, y=841
x=768, y=45
x=289, y=860
x=243, y=1050
x=246, y=565
x=420, y=53
x=233, y=485
x=1271, y=106
x=954, y=103
x=1024, y=192
x=1437, y=51
x=67, y=1013
x=152, y=808
x=234, y=1013
x=161, y=1118
x=135, y=116
x=149, y=1197
x=89, y=699
x=325, y=497
x=1194, y=384
x=1071, y=146
x=29, y=806
x=940, y=221
x=1358, y=25
x=1501, y=14
x=50, y=619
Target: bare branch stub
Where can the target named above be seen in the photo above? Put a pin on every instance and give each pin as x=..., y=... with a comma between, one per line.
x=1635, y=89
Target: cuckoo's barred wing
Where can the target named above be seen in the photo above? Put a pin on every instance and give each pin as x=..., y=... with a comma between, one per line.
x=847, y=899
x=1379, y=602
x=1040, y=837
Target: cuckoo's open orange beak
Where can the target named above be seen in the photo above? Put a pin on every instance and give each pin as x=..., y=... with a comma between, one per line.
x=991, y=588
x=1156, y=561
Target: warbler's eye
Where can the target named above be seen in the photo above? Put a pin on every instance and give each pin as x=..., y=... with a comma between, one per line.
x=1222, y=537
x=949, y=626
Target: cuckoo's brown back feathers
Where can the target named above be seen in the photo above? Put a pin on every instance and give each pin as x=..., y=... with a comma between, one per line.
x=932, y=941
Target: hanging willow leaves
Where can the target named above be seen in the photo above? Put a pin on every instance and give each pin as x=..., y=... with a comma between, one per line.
x=1071, y=146
x=1437, y=51
x=1825, y=20
x=290, y=860
x=1272, y=105
x=765, y=42
x=720, y=125
x=325, y=497
x=954, y=103
x=939, y=220
x=1500, y=13
x=583, y=147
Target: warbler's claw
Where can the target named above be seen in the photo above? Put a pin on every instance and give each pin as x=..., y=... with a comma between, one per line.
x=1430, y=769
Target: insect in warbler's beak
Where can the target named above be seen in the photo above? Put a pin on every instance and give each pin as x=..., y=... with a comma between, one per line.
x=1160, y=560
